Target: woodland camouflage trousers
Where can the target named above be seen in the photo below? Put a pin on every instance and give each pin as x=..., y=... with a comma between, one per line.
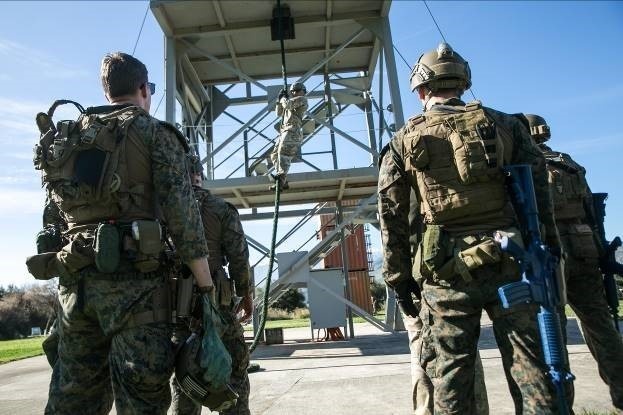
x=451, y=309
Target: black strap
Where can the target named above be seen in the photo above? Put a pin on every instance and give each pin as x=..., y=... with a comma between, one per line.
x=60, y=102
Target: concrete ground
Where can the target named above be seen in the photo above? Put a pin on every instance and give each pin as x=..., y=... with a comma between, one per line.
x=369, y=374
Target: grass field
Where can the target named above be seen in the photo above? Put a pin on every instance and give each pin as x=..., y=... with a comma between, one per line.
x=301, y=322
x=20, y=349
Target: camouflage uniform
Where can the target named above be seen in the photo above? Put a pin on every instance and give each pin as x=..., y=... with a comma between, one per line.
x=419, y=336
x=585, y=290
x=453, y=292
x=227, y=246
x=114, y=330
x=290, y=133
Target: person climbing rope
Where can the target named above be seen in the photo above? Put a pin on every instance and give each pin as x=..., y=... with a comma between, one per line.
x=291, y=108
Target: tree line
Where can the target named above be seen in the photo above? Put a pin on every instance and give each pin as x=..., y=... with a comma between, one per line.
x=22, y=308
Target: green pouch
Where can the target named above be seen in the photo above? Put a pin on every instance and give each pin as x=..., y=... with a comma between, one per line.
x=434, y=247
x=147, y=234
x=223, y=286
x=107, y=248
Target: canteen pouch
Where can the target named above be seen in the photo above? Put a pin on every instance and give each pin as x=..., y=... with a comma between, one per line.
x=148, y=237
x=581, y=242
x=107, y=248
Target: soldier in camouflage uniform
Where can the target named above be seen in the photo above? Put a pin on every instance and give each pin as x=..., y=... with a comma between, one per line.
x=291, y=109
x=227, y=247
x=573, y=209
x=419, y=341
x=451, y=157
x=114, y=330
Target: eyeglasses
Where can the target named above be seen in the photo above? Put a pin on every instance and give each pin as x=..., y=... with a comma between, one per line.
x=152, y=87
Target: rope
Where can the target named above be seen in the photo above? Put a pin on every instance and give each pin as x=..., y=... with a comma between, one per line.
x=269, y=273
x=403, y=58
x=283, y=49
x=140, y=30
x=442, y=36
x=434, y=21
x=273, y=241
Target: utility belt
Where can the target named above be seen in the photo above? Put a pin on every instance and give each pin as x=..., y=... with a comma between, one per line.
x=442, y=256
x=124, y=248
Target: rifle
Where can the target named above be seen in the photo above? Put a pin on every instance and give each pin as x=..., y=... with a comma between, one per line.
x=538, y=279
x=608, y=263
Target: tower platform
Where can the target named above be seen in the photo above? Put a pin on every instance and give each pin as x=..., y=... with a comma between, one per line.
x=308, y=187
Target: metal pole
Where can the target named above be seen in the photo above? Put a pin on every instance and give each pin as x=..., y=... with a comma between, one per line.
x=170, y=83
x=381, y=114
x=371, y=133
x=327, y=98
x=247, y=173
x=392, y=74
x=346, y=267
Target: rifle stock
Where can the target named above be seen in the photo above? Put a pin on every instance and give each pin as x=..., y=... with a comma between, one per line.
x=538, y=283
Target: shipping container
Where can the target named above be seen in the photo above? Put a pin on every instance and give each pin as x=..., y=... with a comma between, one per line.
x=356, y=249
x=360, y=289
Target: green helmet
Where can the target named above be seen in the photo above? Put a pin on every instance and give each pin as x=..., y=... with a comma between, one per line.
x=189, y=376
x=441, y=68
x=298, y=86
x=538, y=128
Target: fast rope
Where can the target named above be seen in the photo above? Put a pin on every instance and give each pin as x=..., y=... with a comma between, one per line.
x=140, y=30
x=271, y=258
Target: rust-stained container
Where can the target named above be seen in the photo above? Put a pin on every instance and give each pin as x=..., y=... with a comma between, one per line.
x=356, y=249
x=360, y=289
x=357, y=254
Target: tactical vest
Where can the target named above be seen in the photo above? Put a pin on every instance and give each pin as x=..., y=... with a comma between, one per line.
x=212, y=229
x=96, y=168
x=567, y=184
x=455, y=161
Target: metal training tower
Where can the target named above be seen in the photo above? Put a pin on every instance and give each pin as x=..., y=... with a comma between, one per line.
x=223, y=76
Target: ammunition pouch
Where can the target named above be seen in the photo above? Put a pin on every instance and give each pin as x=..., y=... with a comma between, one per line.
x=223, y=287
x=443, y=256
x=148, y=237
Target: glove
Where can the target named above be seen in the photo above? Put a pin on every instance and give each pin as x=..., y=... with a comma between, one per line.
x=404, y=291
x=283, y=94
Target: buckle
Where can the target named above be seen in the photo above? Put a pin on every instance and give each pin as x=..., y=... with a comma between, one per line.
x=89, y=136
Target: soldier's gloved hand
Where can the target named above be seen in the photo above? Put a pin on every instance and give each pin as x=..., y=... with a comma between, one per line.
x=283, y=94
x=404, y=295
